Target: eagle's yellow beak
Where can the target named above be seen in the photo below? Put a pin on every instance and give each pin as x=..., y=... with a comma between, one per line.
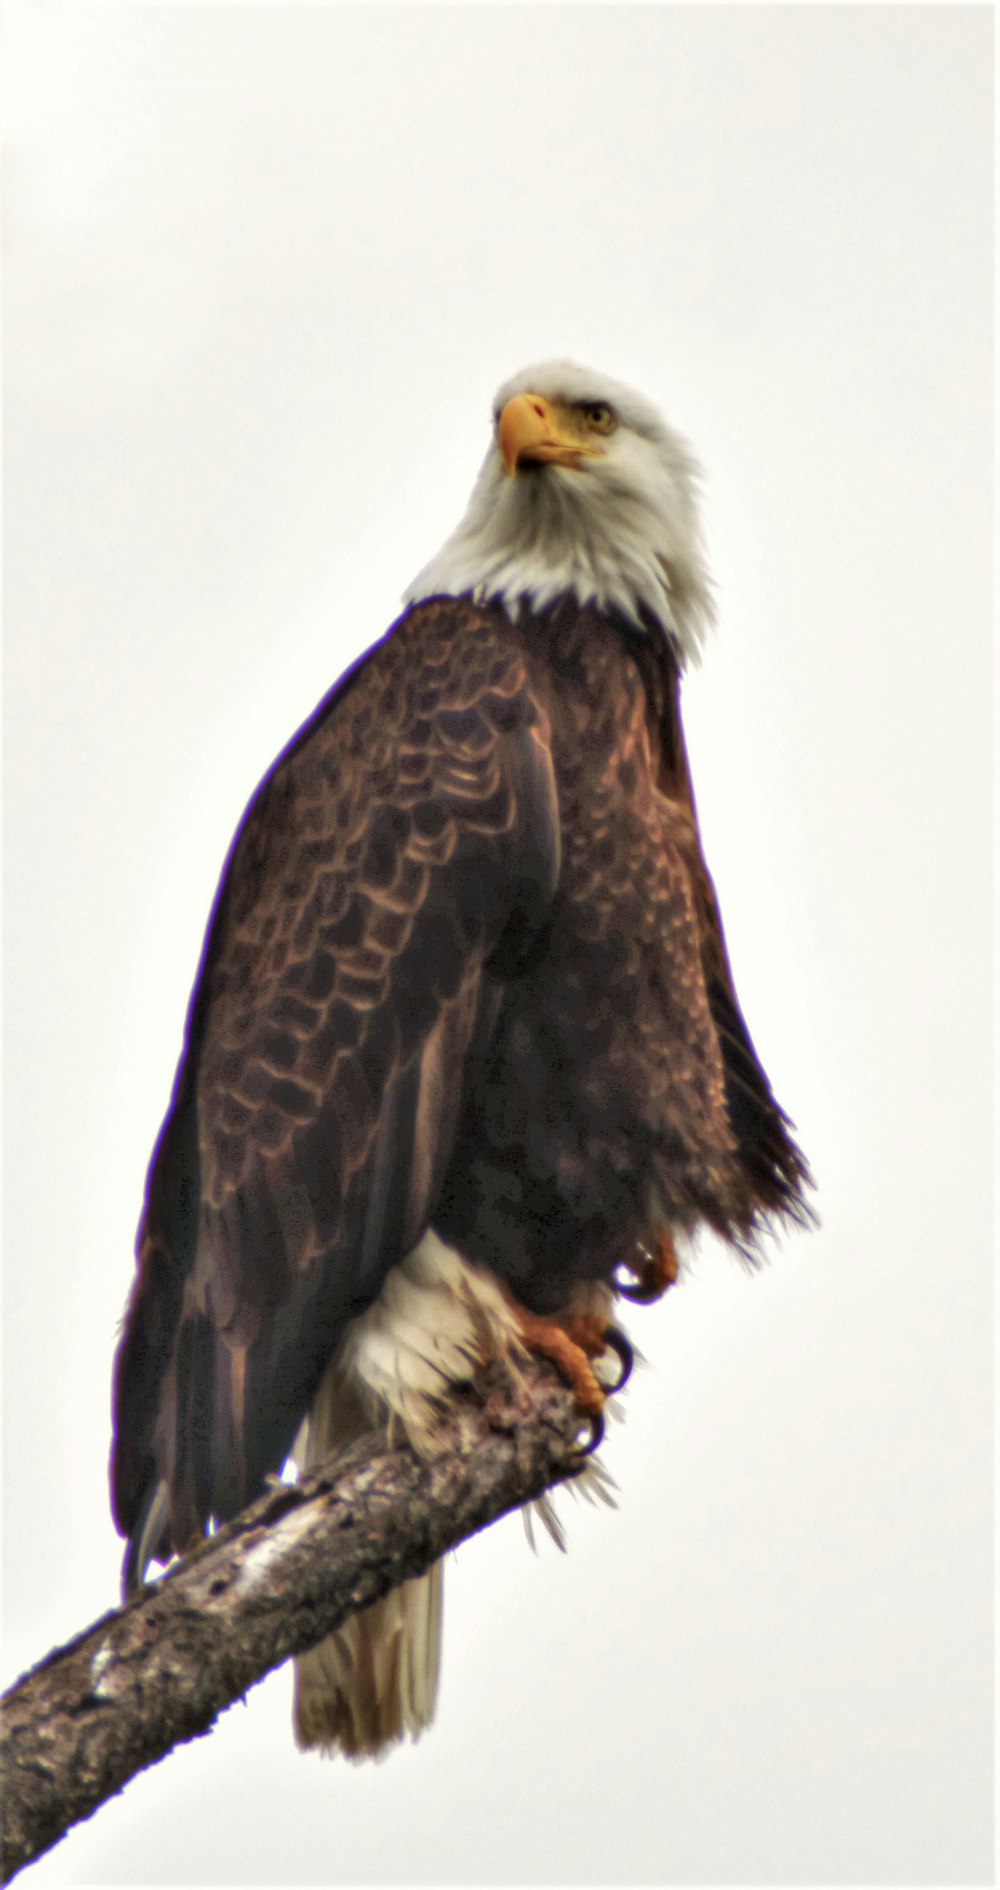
x=532, y=427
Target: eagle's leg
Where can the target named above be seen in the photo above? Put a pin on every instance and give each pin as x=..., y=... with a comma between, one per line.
x=652, y=1270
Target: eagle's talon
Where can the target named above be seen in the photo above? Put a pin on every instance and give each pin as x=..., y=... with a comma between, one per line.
x=595, y=1420
x=631, y=1278
x=616, y=1341
x=637, y=1293
x=647, y=1277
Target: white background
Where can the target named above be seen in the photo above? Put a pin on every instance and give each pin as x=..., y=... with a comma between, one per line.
x=265, y=268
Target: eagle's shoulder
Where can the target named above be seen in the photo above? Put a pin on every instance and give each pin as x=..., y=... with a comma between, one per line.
x=428, y=739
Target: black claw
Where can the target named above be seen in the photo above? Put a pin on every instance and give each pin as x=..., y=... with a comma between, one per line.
x=615, y=1341
x=595, y=1440
x=630, y=1284
x=639, y=1295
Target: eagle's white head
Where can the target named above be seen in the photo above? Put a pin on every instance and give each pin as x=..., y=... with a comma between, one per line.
x=584, y=491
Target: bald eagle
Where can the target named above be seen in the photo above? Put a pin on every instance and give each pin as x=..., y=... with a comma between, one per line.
x=464, y=1060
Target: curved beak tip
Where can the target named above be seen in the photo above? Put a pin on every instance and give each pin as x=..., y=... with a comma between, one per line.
x=524, y=426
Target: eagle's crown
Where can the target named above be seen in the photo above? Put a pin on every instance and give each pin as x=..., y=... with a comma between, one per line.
x=584, y=491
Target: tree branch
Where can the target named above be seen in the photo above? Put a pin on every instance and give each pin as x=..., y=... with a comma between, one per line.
x=269, y=1584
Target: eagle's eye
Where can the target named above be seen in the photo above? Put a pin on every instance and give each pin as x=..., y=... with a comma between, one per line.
x=599, y=416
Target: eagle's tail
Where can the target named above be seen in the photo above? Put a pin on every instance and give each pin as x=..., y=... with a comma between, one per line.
x=375, y=1679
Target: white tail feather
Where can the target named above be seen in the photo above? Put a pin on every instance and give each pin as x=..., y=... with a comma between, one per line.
x=375, y=1680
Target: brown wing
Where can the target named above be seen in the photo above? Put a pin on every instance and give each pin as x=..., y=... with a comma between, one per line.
x=396, y=860
x=774, y=1166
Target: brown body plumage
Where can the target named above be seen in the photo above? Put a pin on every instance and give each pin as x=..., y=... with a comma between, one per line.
x=465, y=973
x=466, y=969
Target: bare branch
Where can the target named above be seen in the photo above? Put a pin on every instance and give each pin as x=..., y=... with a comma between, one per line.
x=270, y=1584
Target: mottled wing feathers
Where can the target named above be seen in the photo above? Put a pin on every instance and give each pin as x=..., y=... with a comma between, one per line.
x=774, y=1167
x=349, y=982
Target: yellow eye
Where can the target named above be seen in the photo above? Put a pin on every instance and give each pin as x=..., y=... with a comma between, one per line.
x=599, y=416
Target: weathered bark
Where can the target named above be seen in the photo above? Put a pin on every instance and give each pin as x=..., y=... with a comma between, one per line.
x=271, y=1583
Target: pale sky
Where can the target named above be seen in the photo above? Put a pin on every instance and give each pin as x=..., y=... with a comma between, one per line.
x=265, y=268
